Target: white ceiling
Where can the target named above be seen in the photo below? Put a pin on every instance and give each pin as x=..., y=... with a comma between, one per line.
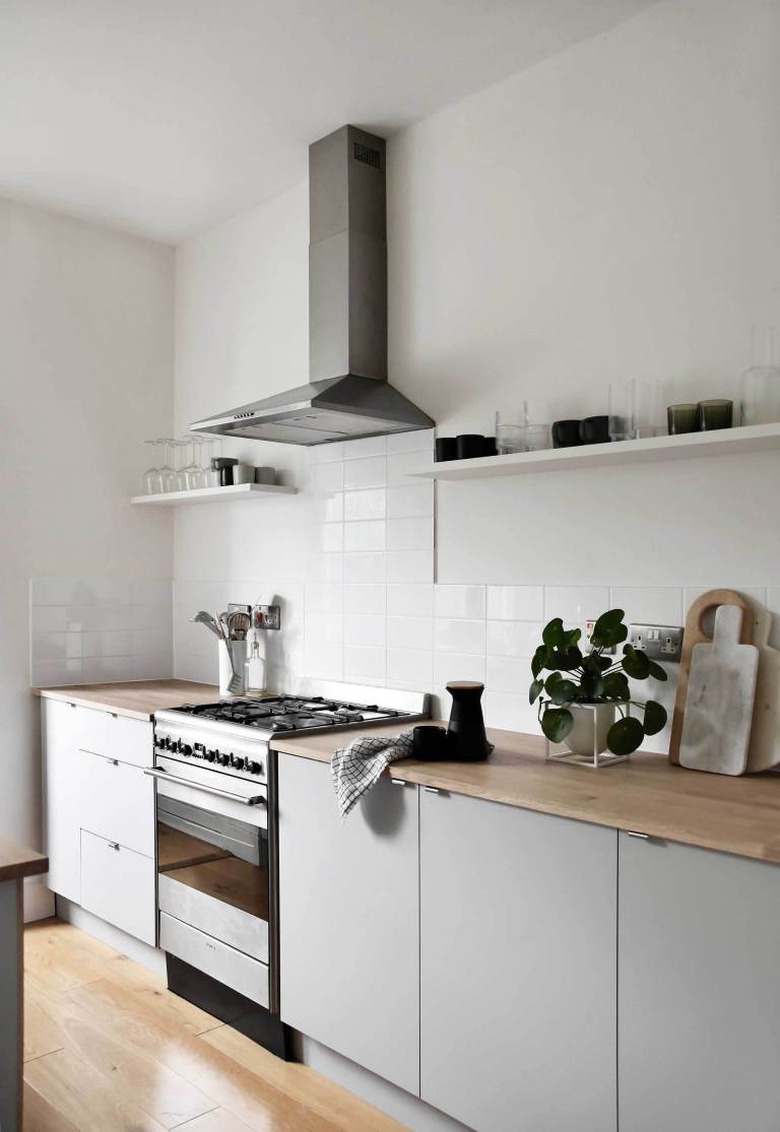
x=165, y=116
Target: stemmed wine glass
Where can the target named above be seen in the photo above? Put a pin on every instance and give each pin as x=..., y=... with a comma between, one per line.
x=192, y=471
x=151, y=479
x=168, y=480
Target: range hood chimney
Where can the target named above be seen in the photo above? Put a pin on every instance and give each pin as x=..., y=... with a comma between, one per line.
x=348, y=395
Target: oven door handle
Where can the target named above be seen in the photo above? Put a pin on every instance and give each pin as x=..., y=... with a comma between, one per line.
x=164, y=776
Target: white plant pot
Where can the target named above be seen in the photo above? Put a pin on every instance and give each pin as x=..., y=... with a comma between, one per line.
x=592, y=722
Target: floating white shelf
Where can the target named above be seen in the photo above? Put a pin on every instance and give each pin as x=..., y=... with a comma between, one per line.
x=724, y=442
x=214, y=494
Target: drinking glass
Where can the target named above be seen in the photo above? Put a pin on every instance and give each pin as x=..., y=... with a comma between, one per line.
x=191, y=472
x=536, y=437
x=760, y=385
x=509, y=430
x=151, y=477
x=180, y=459
x=622, y=400
x=168, y=480
x=649, y=408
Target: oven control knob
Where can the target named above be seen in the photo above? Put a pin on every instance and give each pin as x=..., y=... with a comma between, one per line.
x=223, y=759
x=184, y=748
x=236, y=761
x=210, y=755
x=254, y=768
x=168, y=743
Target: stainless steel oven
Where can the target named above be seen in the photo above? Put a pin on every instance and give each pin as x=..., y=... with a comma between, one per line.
x=215, y=859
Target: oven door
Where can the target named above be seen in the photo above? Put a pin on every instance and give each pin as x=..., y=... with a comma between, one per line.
x=212, y=856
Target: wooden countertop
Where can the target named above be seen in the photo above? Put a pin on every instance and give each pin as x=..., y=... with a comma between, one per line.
x=138, y=699
x=17, y=861
x=645, y=794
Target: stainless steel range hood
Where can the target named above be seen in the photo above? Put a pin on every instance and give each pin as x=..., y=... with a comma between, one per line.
x=348, y=394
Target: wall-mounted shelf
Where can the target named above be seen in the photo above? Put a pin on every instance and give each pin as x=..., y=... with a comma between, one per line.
x=724, y=442
x=214, y=494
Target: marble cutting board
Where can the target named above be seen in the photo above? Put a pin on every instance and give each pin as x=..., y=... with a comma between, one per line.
x=719, y=703
x=764, y=751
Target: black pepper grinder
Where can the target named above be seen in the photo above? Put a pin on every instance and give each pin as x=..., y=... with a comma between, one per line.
x=466, y=738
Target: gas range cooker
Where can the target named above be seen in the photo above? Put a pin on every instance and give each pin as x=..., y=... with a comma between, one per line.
x=232, y=735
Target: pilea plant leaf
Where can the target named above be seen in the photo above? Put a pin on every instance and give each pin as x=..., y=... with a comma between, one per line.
x=655, y=717
x=657, y=671
x=564, y=659
x=557, y=723
x=635, y=663
x=553, y=634
x=625, y=736
x=609, y=630
x=540, y=656
x=563, y=692
x=591, y=685
x=535, y=690
x=616, y=686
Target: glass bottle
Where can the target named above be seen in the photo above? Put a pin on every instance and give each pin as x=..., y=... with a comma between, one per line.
x=760, y=385
x=255, y=670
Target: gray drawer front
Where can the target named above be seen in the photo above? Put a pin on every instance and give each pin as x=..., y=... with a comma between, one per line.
x=223, y=963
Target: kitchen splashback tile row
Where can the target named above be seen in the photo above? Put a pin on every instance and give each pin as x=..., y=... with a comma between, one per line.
x=87, y=630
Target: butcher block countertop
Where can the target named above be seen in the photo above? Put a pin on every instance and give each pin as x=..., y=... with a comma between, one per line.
x=17, y=861
x=645, y=794
x=138, y=699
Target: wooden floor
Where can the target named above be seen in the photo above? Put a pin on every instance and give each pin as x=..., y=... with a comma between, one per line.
x=109, y=1049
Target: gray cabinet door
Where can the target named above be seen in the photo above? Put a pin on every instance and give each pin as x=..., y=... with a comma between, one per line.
x=699, y=990
x=349, y=919
x=518, y=942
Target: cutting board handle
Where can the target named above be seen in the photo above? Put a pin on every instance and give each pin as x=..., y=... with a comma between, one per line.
x=695, y=634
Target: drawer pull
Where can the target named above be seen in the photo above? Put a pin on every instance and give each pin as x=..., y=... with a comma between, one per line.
x=113, y=845
x=637, y=835
x=400, y=782
x=432, y=789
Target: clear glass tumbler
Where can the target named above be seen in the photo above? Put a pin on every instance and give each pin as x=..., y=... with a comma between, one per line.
x=760, y=385
x=151, y=477
x=622, y=408
x=509, y=431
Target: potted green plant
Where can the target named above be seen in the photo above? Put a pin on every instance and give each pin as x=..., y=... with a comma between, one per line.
x=584, y=692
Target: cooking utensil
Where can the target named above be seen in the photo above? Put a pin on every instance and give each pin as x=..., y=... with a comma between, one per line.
x=721, y=693
x=695, y=634
x=204, y=618
x=764, y=749
x=239, y=624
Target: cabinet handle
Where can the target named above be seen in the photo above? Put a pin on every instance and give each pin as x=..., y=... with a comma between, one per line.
x=400, y=782
x=637, y=835
x=432, y=789
x=113, y=845
x=113, y=762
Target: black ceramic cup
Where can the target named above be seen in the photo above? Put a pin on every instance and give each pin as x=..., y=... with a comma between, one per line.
x=566, y=434
x=224, y=465
x=595, y=430
x=470, y=445
x=429, y=743
x=490, y=446
x=446, y=448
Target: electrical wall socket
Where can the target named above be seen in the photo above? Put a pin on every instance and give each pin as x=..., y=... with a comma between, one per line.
x=588, y=633
x=660, y=642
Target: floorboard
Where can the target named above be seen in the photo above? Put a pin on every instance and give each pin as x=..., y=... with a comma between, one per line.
x=108, y=1048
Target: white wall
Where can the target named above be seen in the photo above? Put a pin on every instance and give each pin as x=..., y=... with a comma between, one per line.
x=86, y=318
x=614, y=211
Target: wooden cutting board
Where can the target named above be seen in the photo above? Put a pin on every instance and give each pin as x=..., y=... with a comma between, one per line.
x=695, y=634
x=719, y=704
x=764, y=750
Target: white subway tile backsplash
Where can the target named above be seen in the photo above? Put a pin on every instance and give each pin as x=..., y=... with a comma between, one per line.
x=327, y=453
x=365, y=566
x=328, y=627
x=654, y=605
x=365, y=629
x=410, y=632
x=410, y=566
x=324, y=597
x=400, y=464
x=575, y=604
x=325, y=567
x=365, y=535
x=410, y=668
x=329, y=537
x=328, y=508
x=410, y=502
x=370, y=472
x=365, y=598
x=510, y=712
x=327, y=479
x=146, y=591
x=413, y=600
x=369, y=504
x=459, y=601
x=421, y=440
x=515, y=603
x=513, y=638
x=457, y=666
x=366, y=446
x=365, y=663
x=410, y=534
x=511, y=675
x=324, y=660
x=456, y=636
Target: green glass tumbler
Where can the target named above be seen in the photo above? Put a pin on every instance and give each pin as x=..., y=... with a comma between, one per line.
x=715, y=414
x=682, y=418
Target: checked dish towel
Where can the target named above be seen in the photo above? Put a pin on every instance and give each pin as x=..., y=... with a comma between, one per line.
x=356, y=767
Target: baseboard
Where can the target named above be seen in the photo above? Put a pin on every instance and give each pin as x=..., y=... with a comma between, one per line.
x=38, y=900
x=150, y=957
x=402, y=1106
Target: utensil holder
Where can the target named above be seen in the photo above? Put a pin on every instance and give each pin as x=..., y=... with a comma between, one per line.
x=237, y=653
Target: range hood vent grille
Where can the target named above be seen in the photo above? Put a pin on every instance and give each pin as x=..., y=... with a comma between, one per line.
x=367, y=154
